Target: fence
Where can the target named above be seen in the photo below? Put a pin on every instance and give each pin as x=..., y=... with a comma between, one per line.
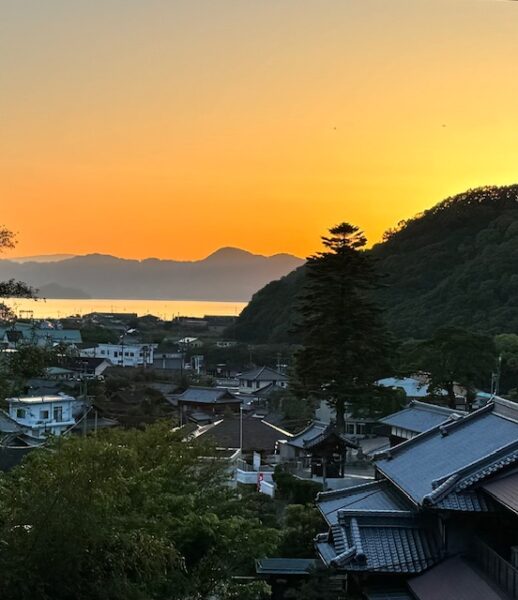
x=497, y=568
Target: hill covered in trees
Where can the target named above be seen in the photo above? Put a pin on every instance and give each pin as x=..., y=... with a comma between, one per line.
x=456, y=264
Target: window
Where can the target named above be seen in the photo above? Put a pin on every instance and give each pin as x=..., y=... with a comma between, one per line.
x=115, y=353
x=103, y=352
x=58, y=413
x=20, y=413
x=248, y=383
x=44, y=414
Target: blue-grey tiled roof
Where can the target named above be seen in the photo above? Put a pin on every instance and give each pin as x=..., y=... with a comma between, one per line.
x=311, y=432
x=206, y=395
x=388, y=545
x=419, y=417
x=431, y=464
x=286, y=566
x=375, y=496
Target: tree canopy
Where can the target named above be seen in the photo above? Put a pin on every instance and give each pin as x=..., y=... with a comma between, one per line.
x=345, y=342
x=127, y=514
x=453, y=265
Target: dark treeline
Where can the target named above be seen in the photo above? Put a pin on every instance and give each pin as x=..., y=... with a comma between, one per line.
x=453, y=265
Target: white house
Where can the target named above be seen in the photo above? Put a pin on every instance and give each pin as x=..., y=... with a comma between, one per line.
x=43, y=415
x=123, y=355
x=259, y=378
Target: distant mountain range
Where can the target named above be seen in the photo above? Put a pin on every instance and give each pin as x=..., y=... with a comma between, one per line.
x=229, y=274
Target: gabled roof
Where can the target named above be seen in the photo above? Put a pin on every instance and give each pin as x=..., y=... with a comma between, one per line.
x=379, y=497
x=420, y=416
x=258, y=434
x=395, y=544
x=208, y=395
x=317, y=433
x=263, y=374
x=452, y=457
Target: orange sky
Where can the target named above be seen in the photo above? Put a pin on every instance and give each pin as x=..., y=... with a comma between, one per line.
x=171, y=128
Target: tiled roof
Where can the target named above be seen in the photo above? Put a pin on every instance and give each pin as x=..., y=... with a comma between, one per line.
x=311, y=431
x=385, y=545
x=434, y=463
x=207, y=395
x=316, y=433
x=419, y=417
x=263, y=374
x=286, y=566
x=258, y=434
x=375, y=496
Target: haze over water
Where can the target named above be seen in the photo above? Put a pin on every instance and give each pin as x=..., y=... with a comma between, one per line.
x=165, y=309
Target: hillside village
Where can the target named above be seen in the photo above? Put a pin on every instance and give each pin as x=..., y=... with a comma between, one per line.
x=383, y=531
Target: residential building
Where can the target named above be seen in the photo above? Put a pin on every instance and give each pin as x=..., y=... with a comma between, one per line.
x=209, y=400
x=190, y=342
x=441, y=519
x=255, y=379
x=414, y=419
x=40, y=416
x=167, y=357
x=122, y=354
x=251, y=433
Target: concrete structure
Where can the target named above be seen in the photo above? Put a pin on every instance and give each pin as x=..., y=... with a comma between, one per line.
x=123, y=355
x=41, y=416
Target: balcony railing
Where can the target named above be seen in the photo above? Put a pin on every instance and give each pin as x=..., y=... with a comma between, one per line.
x=497, y=568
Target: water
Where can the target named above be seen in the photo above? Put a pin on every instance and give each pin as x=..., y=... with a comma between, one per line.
x=165, y=309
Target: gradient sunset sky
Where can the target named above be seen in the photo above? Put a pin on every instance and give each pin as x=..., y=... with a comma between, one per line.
x=171, y=128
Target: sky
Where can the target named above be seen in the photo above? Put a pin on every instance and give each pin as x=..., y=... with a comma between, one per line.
x=171, y=128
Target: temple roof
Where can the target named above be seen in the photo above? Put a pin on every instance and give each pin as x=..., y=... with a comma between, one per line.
x=420, y=416
x=453, y=457
x=392, y=544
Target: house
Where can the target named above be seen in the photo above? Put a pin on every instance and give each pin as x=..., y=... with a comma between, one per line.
x=208, y=400
x=319, y=446
x=251, y=381
x=38, y=334
x=251, y=433
x=414, y=419
x=122, y=354
x=40, y=416
x=89, y=367
x=441, y=519
x=167, y=357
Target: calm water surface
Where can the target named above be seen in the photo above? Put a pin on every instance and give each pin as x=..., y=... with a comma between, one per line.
x=165, y=309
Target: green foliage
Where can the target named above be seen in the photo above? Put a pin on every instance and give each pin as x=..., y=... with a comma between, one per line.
x=295, y=490
x=507, y=349
x=454, y=355
x=346, y=346
x=302, y=522
x=269, y=317
x=453, y=265
x=127, y=514
x=29, y=361
x=96, y=334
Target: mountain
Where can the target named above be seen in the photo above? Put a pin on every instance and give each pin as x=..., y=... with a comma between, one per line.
x=454, y=264
x=229, y=274
x=44, y=258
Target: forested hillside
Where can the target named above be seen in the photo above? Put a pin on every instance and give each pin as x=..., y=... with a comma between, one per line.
x=455, y=264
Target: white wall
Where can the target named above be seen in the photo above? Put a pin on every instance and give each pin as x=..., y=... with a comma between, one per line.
x=125, y=355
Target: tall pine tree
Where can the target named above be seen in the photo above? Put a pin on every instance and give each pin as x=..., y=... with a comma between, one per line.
x=346, y=346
